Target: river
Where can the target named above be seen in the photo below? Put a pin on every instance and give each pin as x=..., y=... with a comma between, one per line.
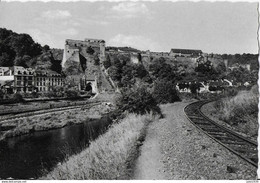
x=29, y=156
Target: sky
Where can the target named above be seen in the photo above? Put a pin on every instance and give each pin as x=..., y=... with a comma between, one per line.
x=213, y=27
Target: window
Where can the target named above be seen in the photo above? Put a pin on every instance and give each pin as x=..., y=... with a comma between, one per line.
x=30, y=77
x=29, y=82
x=19, y=77
x=29, y=89
x=18, y=82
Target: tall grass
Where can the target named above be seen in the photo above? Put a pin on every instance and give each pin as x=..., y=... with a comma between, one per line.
x=241, y=110
x=108, y=156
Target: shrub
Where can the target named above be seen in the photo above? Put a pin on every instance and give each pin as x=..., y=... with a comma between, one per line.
x=165, y=92
x=107, y=62
x=236, y=108
x=17, y=97
x=96, y=60
x=35, y=94
x=1, y=94
x=90, y=50
x=138, y=101
x=71, y=94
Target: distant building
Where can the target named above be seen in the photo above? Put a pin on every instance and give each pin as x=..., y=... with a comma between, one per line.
x=23, y=79
x=237, y=66
x=18, y=79
x=46, y=80
x=159, y=54
x=185, y=53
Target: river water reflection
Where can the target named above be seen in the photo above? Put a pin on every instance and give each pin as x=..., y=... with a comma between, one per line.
x=27, y=156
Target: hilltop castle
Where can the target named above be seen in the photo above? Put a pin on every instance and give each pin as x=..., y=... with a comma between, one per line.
x=73, y=49
x=78, y=62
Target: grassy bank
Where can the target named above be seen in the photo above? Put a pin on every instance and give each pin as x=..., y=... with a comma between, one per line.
x=240, y=111
x=41, y=105
x=108, y=157
x=53, y=120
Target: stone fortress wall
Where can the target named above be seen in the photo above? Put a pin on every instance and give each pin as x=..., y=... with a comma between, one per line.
x=76, y=54
x=73, y=49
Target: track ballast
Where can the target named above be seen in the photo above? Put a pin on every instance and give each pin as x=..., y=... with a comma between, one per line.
x=239, y=145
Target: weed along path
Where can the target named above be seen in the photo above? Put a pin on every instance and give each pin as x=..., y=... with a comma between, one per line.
x=175, y=149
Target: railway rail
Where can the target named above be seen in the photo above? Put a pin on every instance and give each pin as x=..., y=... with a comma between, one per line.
x=239, y=145
x=4, y=119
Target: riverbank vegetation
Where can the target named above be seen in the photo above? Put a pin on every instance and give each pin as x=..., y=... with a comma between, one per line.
x=110, y=156
x=53, y=120
x=40, y=105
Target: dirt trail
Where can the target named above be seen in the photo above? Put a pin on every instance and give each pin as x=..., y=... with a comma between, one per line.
x=148, y=164
x=175, y=149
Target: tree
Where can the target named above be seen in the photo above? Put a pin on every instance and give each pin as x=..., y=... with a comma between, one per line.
x=224, y=56
x=71, y=93
x=138, y=101
x=139, y=57
x=107, y=62
x=161, y=70
x=1, y=94
x=90, y=50
x=194, y=87
x=165, y=92
x=5, y=60
x=22, y=61
x=96, y=60
x=221, y=67
x=115, y=73
x=46, y=48
x=17, y=97
x=13, y=47
x=127, y=76
x=139, y=71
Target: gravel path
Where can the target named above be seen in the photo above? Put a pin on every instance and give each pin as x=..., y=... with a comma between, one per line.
x=175, y=149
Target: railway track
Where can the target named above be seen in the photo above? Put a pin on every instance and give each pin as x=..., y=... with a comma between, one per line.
x=239, y=145
x=4, y=119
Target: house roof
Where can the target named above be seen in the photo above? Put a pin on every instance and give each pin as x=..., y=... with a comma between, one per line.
x=6, y=83
x=47, y=72
x=186, y=51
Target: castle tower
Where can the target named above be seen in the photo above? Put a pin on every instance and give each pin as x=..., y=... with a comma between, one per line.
x=102, y=50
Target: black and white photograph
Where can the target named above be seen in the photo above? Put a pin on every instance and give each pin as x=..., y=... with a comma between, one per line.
x=128, y=90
